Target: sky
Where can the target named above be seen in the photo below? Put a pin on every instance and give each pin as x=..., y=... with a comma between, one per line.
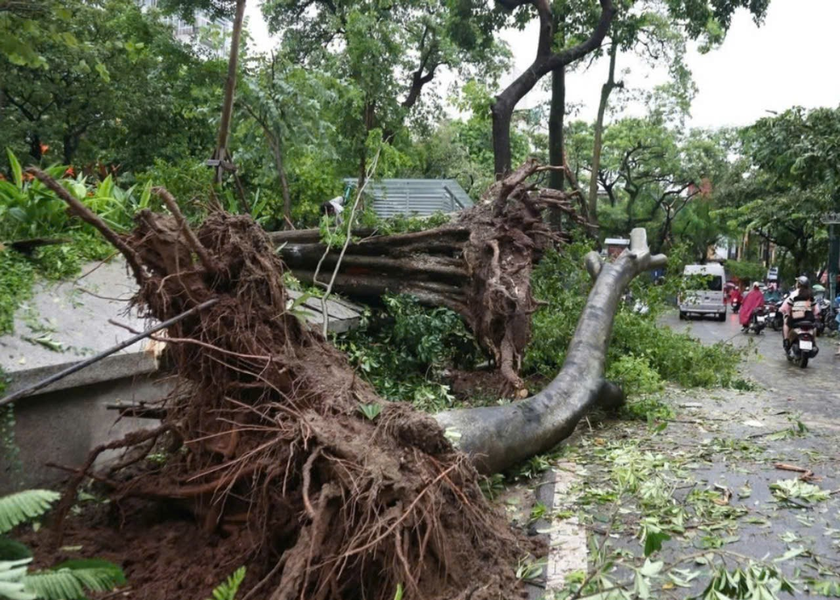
x=789, y=60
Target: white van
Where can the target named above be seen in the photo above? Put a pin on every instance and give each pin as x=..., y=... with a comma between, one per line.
x=706, y=301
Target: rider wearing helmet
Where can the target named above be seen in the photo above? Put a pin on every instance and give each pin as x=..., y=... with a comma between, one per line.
x=798, y=306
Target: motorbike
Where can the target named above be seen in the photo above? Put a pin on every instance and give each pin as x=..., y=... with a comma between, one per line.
x=775, y=318
x=827, y=318
x=803, y=345
x=736, y=306
x=758, y=321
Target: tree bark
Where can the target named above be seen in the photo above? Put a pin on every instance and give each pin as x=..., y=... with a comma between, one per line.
x=556, y=118
x=498, y=437
x=284, y=182
x=479, y=266
x=230, y=88
x=544, y=63
x=557, y=113
x=606, y=90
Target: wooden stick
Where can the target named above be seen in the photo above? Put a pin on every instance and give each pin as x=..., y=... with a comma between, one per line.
x=89, y=216
x=209, y=263
x=28, y=391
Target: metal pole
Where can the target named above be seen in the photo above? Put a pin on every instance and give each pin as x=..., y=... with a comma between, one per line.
x=86, y=363
x=833, y=261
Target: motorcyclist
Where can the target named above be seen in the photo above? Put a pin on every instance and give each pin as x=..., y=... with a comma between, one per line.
x=753, y=300
x=736, y=298
x=798, y=306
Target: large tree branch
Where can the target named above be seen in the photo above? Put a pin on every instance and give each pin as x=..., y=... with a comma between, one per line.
x=544, y=62
x=498, y=437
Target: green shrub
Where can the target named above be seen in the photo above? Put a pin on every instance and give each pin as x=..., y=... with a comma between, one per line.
x=746, y=270
x=28, y=209
x=641, y=352
x=17, y=275
x=635, y=375
x=405, y=348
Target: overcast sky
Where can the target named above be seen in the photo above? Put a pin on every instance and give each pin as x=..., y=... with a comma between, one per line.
x=790, y=60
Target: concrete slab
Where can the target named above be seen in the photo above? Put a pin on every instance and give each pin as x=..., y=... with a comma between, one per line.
x=64, y=426
x=343, y=315
x=67, y=322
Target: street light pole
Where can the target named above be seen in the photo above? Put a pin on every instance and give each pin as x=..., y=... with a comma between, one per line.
x=832, y=219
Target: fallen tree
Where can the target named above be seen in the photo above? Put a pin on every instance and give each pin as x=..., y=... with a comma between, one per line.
x=271, y=436
x=498, y=437
x=479, y=265
x=270, y=432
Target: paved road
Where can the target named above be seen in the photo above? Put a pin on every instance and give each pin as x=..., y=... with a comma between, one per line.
x=815, y=390
x=717, y=459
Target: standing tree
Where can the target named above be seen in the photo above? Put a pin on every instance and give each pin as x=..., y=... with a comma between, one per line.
x=286, y=103
x=546, y=61
x=789, y=178
x=388, y=53
x=657, y=31
x=107, y=70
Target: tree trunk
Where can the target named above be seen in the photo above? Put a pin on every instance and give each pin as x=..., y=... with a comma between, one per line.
x=70, y=145
x=35, y=147
x=557, y=113
x=479, y=266
x=284, y=182
x=606, y=90
x=556, y=117
x=498, y=437
x=230, y=87
x=502, y=113
x=544, y=63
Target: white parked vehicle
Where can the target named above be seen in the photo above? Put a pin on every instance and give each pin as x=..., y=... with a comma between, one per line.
x=708, y=300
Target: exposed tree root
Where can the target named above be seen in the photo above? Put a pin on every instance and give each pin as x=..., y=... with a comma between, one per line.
x=265, y=433
x=478, y=266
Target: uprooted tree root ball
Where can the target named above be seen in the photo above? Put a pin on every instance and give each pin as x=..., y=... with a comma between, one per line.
x=264, y=433
x=479, y=265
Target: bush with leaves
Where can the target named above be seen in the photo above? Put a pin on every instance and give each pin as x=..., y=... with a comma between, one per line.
x=746, y=270
x=70, y=580
x=642, y=354
x=29, y=211
x=404, y=350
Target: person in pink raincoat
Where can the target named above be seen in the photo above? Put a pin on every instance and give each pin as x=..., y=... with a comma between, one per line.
x=753, y=300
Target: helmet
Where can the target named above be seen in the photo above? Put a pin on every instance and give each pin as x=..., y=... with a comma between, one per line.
x=802, y=281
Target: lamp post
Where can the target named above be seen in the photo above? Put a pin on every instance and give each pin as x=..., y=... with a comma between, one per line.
x=832, y=219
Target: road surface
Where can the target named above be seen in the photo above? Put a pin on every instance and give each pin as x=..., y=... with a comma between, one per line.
x=707, y=476
x=815, y=390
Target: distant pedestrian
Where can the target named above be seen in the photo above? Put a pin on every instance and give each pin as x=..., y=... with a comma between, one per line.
x=334, y=208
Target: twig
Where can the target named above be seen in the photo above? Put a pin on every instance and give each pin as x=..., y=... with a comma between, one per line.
x=90, y=217
x=27, y=391
x=347, y=239
x=593, y=574
x=807, y=474
x=99, y=264
x=101, y=297
x=174, y=340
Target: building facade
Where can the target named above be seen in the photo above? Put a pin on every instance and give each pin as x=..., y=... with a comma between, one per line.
x=210, y=35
